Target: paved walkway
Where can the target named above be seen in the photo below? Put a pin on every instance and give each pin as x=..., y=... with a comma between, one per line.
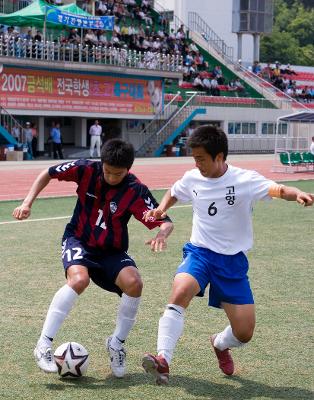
x=16, y=177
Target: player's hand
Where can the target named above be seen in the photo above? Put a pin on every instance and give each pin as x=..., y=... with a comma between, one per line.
x=152, y=215
x=305, y=199
x=21, y=212
x=157, y=244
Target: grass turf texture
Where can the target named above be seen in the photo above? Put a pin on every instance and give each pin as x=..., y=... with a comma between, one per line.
x=277, y=364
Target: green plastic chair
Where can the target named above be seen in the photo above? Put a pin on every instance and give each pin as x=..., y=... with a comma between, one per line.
x=306, y=157
x=284, y=158
x=296, y=158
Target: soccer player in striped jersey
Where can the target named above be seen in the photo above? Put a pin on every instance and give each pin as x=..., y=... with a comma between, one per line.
x=95, y=242
x=222, y=197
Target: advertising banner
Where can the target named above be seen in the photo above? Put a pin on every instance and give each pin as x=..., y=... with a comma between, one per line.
x=45, y=90
x=79, y=21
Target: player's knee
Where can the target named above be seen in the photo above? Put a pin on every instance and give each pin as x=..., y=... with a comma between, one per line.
x=244, y=335
x=180, y=297
x=79, y=282
x=135, y=287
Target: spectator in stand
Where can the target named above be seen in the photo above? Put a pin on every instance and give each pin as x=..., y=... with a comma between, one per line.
x=285, y=83
x=10, y=34
x=86, y=6
x=207, y=85
x=256, y=68
x=124, y=32
x=312, y=146
x=74, y=37
x=276, y=70
x=231, y=86
x=198, y=83
x=90, y=38
x=200, y=62
x=239, y=86
x=38, y=36
x=217, y=73
x=215, y=91
x=180, y=35
x=102, y=38
x=288, y=70
x=298, y=93
x=101, y=8
x=290, y=91
x=29, y=35
x=267, y=72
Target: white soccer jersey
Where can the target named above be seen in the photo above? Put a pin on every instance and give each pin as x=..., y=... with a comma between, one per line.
x=222, y=207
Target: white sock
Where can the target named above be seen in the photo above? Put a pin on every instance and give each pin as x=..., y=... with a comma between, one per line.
x=60, y=307
x=170, y=329
x=125, y=320
x=226, y=339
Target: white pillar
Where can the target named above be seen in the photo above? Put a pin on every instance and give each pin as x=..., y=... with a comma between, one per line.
x=224, y=126
x=80, y=126
x=239, y=37
x=256, y=46
x=41, y=134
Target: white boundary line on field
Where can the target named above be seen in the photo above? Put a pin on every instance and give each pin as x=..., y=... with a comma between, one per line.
x=65, y=217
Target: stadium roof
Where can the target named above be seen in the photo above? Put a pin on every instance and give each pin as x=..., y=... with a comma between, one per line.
x=304, y=117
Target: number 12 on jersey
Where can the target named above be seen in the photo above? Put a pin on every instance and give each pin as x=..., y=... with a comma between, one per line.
x=99, y=219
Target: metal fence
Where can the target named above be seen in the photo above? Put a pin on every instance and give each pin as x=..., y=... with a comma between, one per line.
x=10, y=6
x=56, y=51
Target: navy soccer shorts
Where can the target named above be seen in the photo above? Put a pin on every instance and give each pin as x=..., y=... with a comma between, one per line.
x=226, y=275
x=103, y=269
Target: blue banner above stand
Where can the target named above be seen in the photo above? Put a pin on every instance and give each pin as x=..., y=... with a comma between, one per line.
x=79, y=21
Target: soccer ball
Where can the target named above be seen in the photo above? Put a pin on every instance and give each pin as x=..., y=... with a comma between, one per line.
x=72, y=360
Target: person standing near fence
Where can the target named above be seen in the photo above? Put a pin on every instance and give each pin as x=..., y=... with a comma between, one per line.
x=34, y=139
x=28, y=137
x=95, y=132
x=56, y=141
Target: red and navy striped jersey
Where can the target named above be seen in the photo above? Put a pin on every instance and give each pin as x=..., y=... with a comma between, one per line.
x=102, y=211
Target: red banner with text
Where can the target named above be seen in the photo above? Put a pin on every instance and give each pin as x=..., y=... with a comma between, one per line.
x=43, y=90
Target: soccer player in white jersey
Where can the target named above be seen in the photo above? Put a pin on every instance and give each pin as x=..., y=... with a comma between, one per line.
x=222, y=197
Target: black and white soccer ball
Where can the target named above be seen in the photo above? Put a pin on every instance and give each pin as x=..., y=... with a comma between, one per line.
x=72, y=360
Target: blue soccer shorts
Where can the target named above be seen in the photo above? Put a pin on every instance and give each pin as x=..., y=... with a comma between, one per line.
x=226, y=275
x=103, y=269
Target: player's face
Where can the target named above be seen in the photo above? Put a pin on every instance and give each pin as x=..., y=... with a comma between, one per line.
x=114, y=175
x=207, y=166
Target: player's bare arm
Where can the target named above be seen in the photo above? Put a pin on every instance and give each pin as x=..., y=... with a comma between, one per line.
x=158, y=243
x=24, y=210
x=160, y=212
x=291, y=193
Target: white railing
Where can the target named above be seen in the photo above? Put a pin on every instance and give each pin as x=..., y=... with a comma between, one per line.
x=198, y=25
x=56, y=51
x=9, y=122
x=159, y=120
x=266, y=89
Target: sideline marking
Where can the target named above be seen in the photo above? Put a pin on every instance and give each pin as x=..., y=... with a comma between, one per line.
x=65, y=217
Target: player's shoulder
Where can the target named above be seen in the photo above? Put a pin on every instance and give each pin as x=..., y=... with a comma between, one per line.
x=191, y=174
x=134, y=182
x=246, y=176
x=241, y=173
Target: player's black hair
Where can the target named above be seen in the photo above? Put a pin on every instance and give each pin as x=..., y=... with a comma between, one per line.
x=117, y=153
x=211, y=138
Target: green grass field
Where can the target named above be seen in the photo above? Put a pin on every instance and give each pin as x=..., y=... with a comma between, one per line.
x=277, y=364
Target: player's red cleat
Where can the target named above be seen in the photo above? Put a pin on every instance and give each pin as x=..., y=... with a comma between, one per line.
x=158, y=367
x=224, y=358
